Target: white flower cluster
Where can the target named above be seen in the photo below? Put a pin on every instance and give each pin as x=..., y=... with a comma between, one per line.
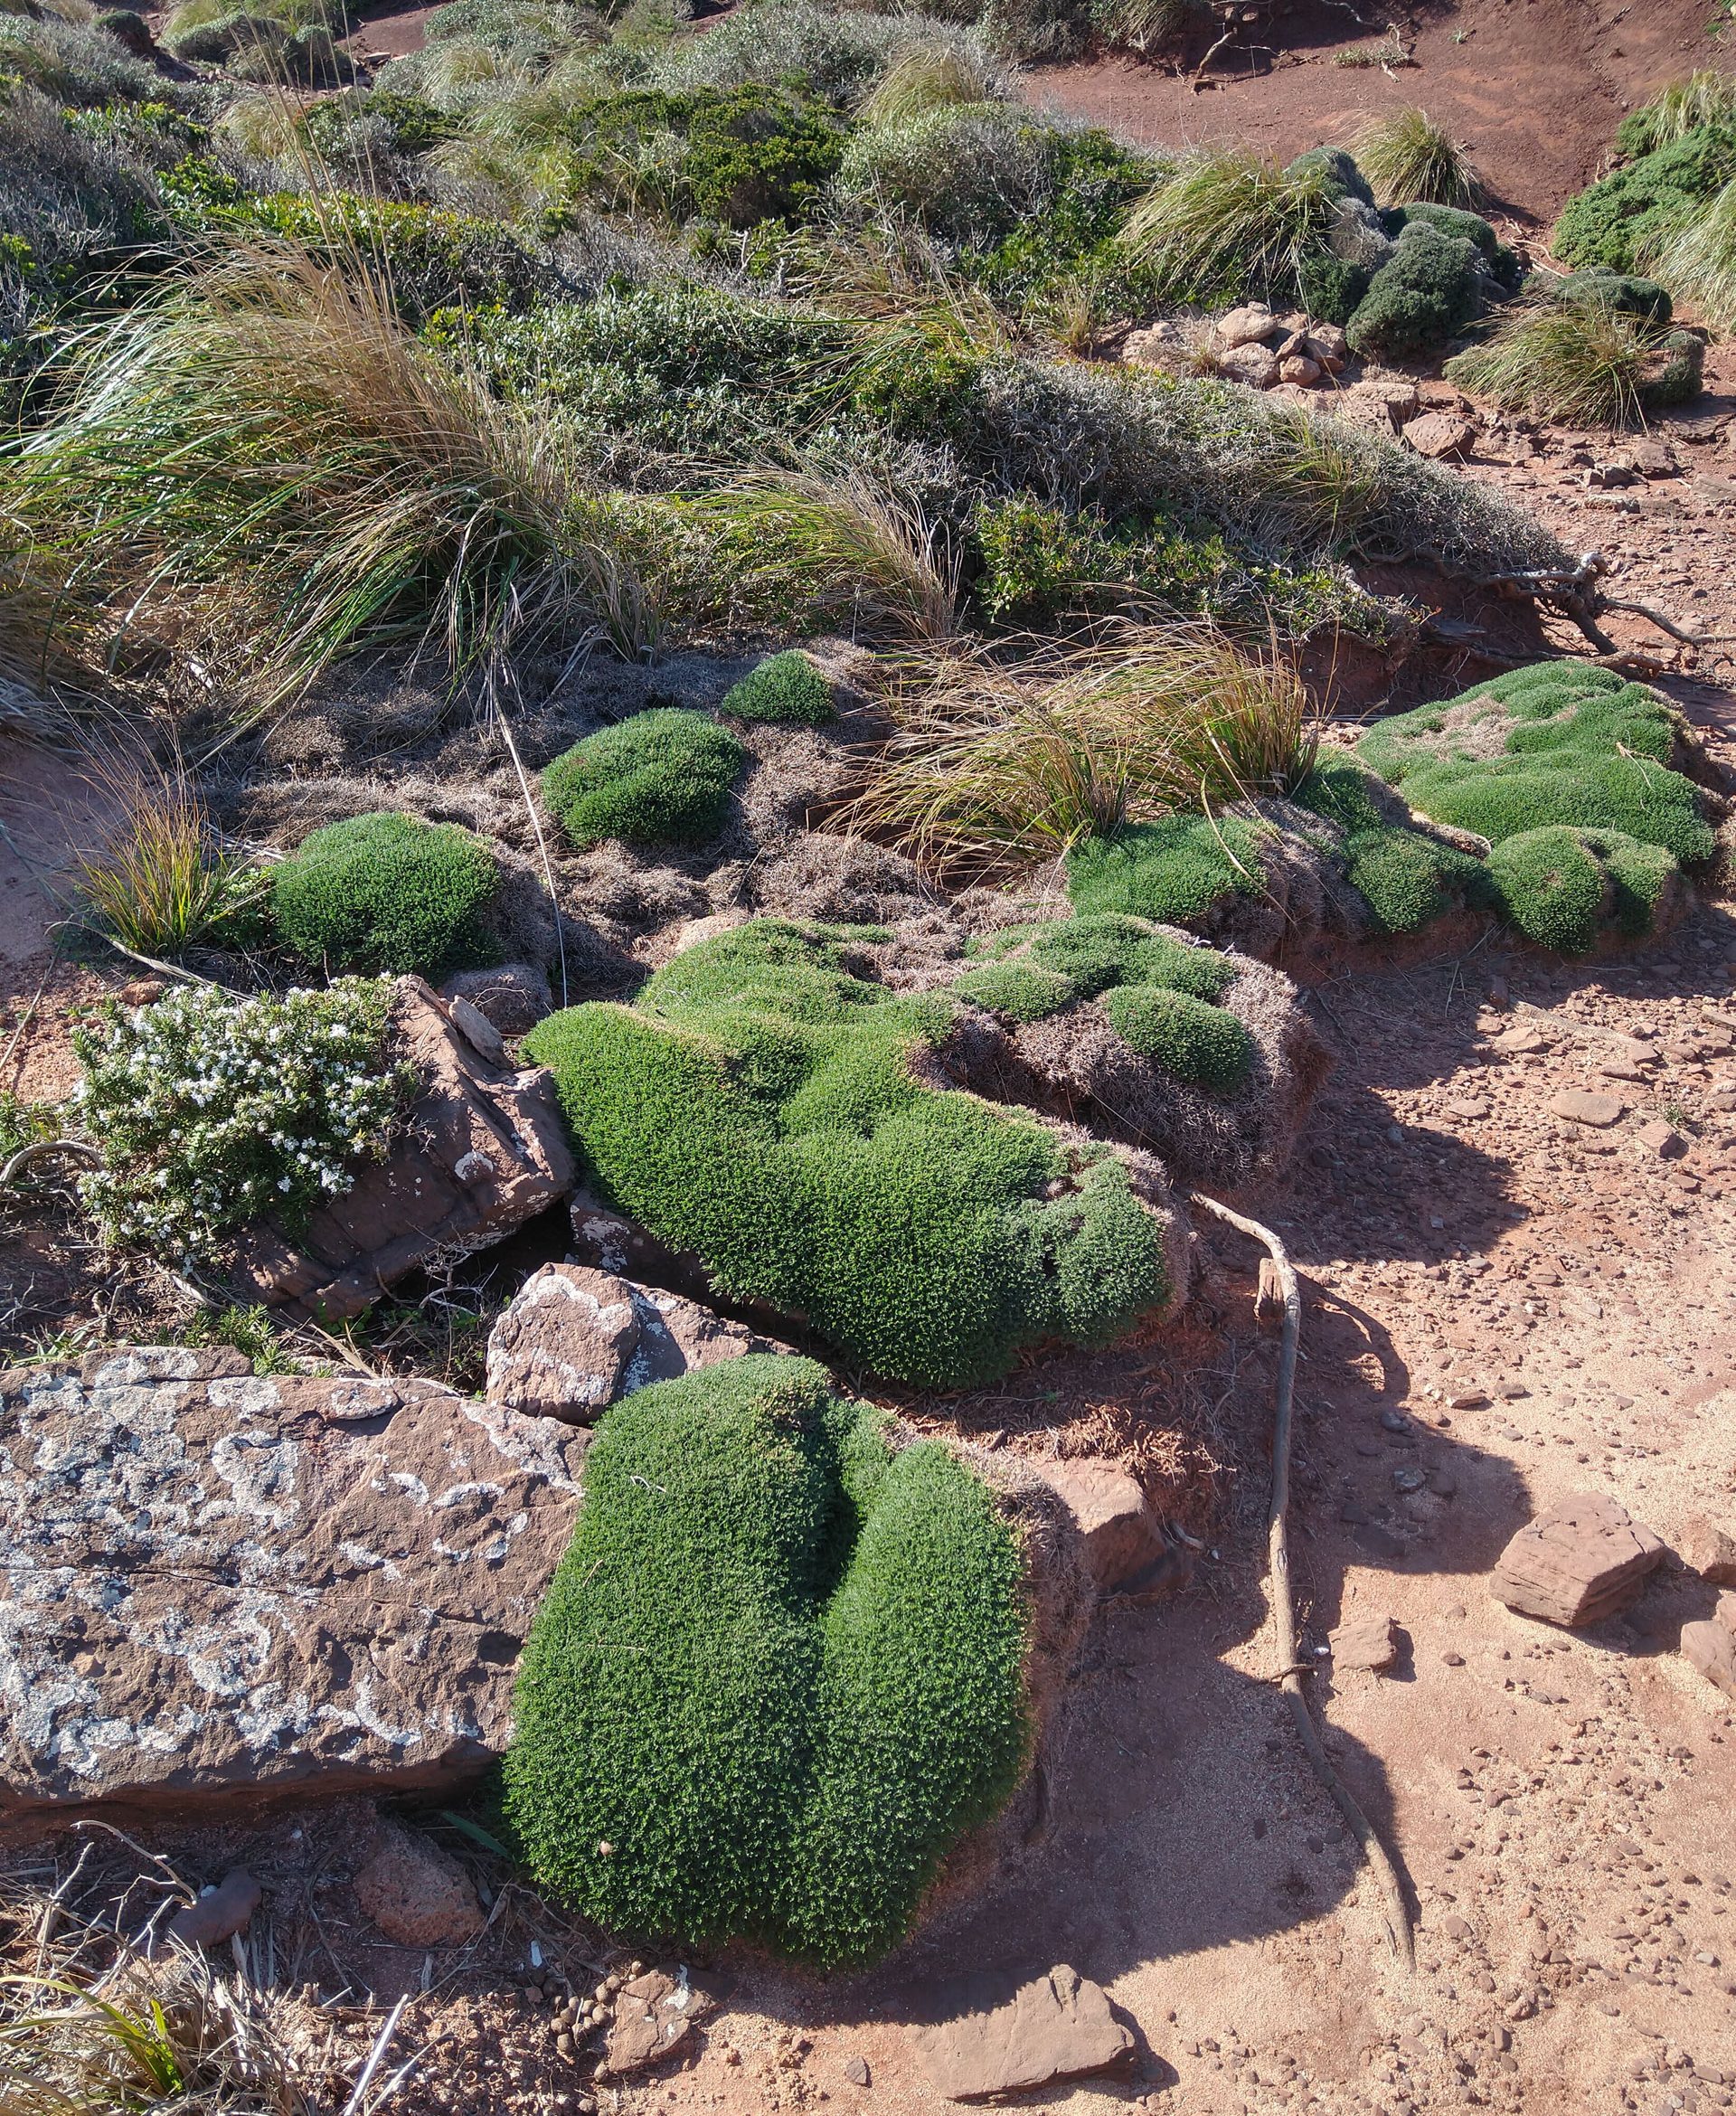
x=212, y=1110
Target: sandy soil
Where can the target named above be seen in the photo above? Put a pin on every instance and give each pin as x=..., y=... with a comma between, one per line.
x=1536, y=87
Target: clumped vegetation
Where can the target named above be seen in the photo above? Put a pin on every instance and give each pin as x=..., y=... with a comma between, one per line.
x=785, y=690
x=387, y=892
x=759, y=1105
x=1569, y=889
x=825, y=1690
x=1589, y=350
x=662, y=778
x=1408, y=159
x=1623, y=219
x=211, y=1111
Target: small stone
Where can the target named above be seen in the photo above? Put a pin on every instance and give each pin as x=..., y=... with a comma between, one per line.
x=1709, y=1550
x=417, y=1895
x=1469, y=1399
x=1250, y=325
x=1410, y=1479
x=1576, y=1563
x=1661, y=1139
x=1452, y=1659
x=1123, y=1547
x=1253, y=364
x=1585, y=1106
x=475, y=1026
x=142, y=992
x=855, y=2070
x=1709, y=1646
x=1368, y=1642
x=1439, y=434
x=1298, y=368
x=220, y=1913
x=1001, y=2040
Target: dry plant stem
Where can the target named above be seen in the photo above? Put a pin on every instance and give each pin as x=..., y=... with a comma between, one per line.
x=26, y=1158
x=1398, y=1914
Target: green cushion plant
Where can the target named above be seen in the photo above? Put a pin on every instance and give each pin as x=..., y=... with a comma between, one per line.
x=1176, y=870
x=387, y=892
x=1201, y=1045
x=785, y=690
x=1565, y=889
x=1557, y=743
x=663, y=778
x=1427, y=290
x=1407, y=879
x=779, y=1672
x=1618, y=219
x=758, y=1105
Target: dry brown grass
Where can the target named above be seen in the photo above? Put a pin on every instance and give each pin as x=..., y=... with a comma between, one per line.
x=997, y=764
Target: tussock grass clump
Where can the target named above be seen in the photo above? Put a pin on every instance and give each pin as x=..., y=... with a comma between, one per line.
x=387, y=892
x=825, y=1690
x=417, y=510
x=1406, y=157
x=1556, y=744
x=989, y=768
x=785, y=690
x=760, y=1106
x=1230, y=221
x=157, y=878
x=1707, y=96
x=1572, y=354
x=1697, y=261
x=662, y=778
x=929, y=77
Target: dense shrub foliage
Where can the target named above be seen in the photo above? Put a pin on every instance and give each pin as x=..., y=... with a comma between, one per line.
x=1173, y=871
x=1618, y=219
x=387, y=892
x=663, y=778
x=824, y=1688
x=785, y=690
x=1568, y=889
x=212, y=1110
x=757, y=1105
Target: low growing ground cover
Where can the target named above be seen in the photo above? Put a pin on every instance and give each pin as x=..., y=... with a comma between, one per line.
x=825, y=1686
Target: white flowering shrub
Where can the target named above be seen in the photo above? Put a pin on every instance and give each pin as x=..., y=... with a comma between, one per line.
x=211, y=1111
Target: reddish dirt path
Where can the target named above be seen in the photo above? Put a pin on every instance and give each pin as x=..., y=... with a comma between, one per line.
x=1535, y=86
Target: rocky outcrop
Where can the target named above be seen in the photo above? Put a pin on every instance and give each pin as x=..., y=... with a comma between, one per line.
x=483, y=1150
x=1577, y=1563
x=574, y=1340
x=1709, y=1646
x=216, y=1583
x=1056, y=2027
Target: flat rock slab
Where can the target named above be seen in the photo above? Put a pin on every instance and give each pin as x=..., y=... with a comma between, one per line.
x=574, y=1339
x=481, y=1151
x=1586, y=1106
x=215, y=1584
x=1058, y=2026
x=654, y=2015
x=1368, y=1642
x=1710, y=1647
x=1576, y=1563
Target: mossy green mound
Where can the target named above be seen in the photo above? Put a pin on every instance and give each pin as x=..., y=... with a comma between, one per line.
x=663, y=778
x=1568, y=889
x=1407, y=879
x=1555, y=743
x=785, y=690
x=1202, y=1045
x=387, y=893
x=1174, y=871
x=757, y=1105
x=1158, y=993
x=778, y=1673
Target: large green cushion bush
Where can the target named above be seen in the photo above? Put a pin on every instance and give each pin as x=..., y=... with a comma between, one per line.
x=387, y=892
x=778, y=1674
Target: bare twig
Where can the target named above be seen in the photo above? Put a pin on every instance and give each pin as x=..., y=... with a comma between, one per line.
x=1290, y=1669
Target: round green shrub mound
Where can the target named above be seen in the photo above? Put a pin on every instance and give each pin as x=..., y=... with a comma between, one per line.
x=1430, y=288
x=777, y=1675
x=387, y=893
x=662, y=778
x=1408, y=879
x=785, y=690
x=1174, y=871
x=759, y=1106
x=1553, y=886
x=1022, y=990
x=1203, y=1045
x=1615, y=220
x=1623, y=291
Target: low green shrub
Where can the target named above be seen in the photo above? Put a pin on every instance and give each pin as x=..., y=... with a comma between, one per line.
x=1022, y=991
x=1201, y=1045
x=662, y=778
x=968, y=172
x=1622, y=291
x=785, y=690
x=1618, y=220
x=757, y=1106
x=1095, y=952
x=1409, y=880
x=1707, y=96
x=212, y=1110
x=1565, y=888
x=1554, y=743
x=387, y=892
x=1570, y=354
x=824, y=1688
x=1424, y=295
x=1174, y=871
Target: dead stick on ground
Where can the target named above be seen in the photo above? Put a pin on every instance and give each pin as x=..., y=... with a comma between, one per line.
x=1398, y=1914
